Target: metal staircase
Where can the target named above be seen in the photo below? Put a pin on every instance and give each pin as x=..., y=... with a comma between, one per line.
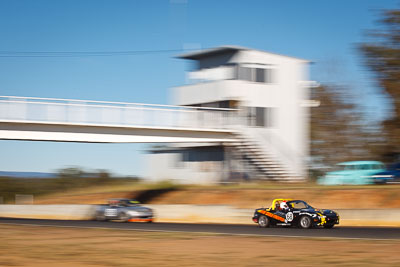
x=261, y=163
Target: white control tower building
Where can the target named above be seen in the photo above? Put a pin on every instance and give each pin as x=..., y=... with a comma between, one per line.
x=269, y=93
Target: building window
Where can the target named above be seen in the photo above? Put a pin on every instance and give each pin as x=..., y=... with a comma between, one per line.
x=260, y=75
x=216, y=104
x=202, y=154
x=260, y=116
x=245, y=74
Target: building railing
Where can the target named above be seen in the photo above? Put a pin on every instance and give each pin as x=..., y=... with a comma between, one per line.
x=87, y=112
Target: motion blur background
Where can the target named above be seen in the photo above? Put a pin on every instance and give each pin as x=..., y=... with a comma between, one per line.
x=55, y=50
x=203, y=111
x=269, y=95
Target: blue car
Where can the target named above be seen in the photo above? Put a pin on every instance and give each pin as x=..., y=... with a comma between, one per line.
x=390, y=176
x=353, y=172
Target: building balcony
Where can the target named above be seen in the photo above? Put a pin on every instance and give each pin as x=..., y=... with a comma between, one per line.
x=220, y=90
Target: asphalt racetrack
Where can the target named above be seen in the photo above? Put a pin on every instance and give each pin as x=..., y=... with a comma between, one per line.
x=385, y=233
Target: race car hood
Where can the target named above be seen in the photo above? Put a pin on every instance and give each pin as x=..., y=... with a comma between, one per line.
x=309, y=210
x=324, y=212
x=328, y=212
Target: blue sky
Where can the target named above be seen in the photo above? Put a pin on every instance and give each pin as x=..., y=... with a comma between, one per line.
x=325, y=32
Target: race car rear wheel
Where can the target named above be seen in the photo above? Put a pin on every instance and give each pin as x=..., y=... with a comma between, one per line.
x=263, y=221
x=305, y=222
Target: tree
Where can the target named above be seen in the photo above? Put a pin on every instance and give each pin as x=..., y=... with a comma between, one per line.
x=70, y=172
x=103, y=174
x=382, y=56
x=337, y=129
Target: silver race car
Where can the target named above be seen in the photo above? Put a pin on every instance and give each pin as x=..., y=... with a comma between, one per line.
x=126, y=210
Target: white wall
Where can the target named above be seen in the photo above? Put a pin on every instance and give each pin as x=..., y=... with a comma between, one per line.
x=168, y=166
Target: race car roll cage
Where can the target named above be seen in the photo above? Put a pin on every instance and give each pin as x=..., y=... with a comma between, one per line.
x=278, y=200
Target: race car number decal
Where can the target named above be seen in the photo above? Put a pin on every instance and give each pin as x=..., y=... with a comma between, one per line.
x=289, y=216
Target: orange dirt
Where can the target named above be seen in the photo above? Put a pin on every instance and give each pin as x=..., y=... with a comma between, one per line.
x=50, y=246
x=346, y=198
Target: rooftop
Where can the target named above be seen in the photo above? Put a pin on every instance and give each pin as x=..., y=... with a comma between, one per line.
x=196, y=55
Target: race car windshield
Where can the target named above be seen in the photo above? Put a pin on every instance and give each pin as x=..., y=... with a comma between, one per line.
x=132, y=203
x=298, y=204
x=128, y=203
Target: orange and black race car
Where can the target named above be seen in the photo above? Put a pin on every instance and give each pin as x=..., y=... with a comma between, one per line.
x=288, y=212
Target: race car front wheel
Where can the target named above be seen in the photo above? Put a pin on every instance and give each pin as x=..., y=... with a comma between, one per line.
x=263, y=221
x=124, y=217
x=305, y=222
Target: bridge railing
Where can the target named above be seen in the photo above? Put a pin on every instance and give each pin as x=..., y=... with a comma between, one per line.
x=50, y=110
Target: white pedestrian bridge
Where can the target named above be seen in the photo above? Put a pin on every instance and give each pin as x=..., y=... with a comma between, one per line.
x=49, y=119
